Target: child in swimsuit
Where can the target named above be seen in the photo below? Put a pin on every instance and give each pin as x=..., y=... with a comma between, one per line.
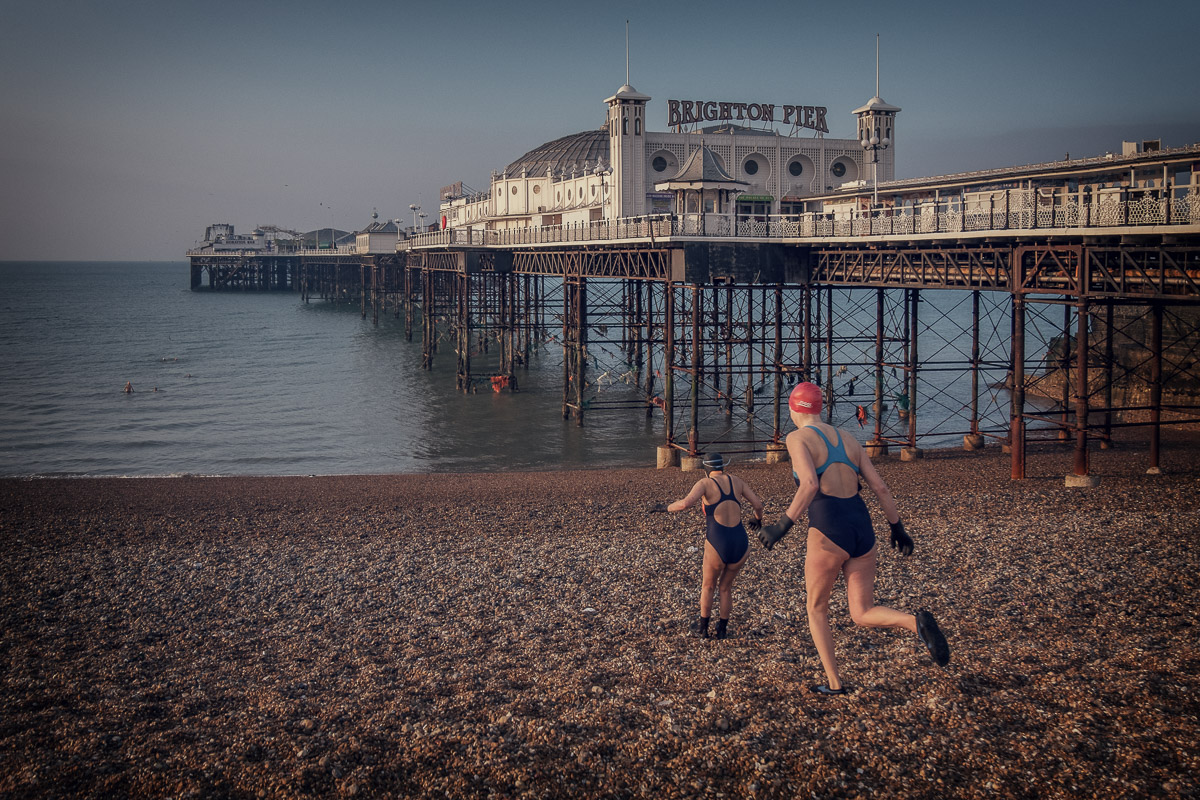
x=726, y=544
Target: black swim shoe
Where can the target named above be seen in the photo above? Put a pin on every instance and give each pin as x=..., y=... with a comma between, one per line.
x=931, y=636
x=700, y=627
x=823, y=689
x=722, y=631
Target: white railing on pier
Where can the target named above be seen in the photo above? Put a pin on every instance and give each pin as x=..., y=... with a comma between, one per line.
x=346, y=250
x=1018, y=210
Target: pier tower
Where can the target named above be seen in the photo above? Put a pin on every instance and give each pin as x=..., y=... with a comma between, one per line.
x=627, y=151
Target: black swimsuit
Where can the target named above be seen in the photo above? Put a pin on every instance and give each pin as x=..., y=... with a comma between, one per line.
x=730, y=543
x=844, y=521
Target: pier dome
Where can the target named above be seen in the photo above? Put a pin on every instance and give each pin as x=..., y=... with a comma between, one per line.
x=574, y=152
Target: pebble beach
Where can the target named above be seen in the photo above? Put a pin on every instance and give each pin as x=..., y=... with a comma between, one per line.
x=512, y=635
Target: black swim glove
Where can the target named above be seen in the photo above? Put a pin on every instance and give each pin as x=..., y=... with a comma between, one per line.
x=755, y=523
x=770, y=534
x=900, y=539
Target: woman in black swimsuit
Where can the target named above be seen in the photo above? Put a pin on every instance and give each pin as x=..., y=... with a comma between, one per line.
x=827, y=465
x=726, y=545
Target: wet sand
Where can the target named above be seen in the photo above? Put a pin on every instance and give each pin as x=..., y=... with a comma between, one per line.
x=524, y=635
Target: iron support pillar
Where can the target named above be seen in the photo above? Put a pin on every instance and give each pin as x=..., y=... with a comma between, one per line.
x=697, y=366
x=878, y=410
x=1017, y=422
x=1156, y=325
x=975, y=362
x=463, y=331
x=1081, y=389
x=669, y=361
x=777, y=427
x=915, y=296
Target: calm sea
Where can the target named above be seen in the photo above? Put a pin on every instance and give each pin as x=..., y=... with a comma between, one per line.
x=232, y=383
x=256, y=384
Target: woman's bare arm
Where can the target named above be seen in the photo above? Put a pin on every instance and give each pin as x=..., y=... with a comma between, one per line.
x=806, y=473
x=877, y=485
x=693, y=497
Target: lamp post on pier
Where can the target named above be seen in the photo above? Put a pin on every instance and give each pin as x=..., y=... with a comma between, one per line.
x=602, y=173
x=415, y=209
x=873, y=144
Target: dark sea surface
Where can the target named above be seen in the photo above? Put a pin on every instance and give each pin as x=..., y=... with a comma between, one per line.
x=260, y=383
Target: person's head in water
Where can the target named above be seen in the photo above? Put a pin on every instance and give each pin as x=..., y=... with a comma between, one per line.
x=713, y=462
x=805, y=400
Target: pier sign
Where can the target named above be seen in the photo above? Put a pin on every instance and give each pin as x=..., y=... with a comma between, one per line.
x=685, y=112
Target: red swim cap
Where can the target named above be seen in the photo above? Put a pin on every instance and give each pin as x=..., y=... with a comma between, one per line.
x=805, y=398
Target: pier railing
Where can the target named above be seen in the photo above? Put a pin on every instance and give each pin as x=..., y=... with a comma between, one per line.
x=1018, y=210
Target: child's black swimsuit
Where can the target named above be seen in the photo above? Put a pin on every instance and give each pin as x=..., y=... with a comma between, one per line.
x=730, y=543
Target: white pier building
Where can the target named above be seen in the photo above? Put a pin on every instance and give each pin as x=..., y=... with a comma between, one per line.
x=723, y=158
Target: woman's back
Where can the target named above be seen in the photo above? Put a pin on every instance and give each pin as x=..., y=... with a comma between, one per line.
x=835, y=455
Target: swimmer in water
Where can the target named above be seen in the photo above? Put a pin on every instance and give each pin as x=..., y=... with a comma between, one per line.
x=726, y=544
x=128, y=387
x=827, y=465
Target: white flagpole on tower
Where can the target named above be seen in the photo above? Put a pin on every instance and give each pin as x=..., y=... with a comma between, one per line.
x=627, y=54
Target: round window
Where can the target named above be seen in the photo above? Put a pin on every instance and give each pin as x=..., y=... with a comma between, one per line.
x=659, y=163
x=795, y=169
x=537, y=190
x=568, y=194
x=514, y=190
x=838, y=169
x=751, y=167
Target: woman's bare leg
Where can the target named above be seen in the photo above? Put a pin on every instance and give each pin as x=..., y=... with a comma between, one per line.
x=822, y=563
x=711, y=576
x=860, y=595
x=725, y=585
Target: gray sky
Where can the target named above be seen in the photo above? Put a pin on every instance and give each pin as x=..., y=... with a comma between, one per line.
x=127, y=127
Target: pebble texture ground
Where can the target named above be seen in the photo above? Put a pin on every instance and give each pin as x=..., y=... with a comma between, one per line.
x=524, y=635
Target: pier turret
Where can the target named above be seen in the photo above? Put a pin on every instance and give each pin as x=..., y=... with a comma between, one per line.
x=627, y=149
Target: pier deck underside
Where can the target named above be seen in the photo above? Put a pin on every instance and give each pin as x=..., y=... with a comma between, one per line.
x=920, y=344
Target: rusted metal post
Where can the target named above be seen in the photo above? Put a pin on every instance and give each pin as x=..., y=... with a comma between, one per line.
x=428, y=320
x=914, y=359
x=463, y=331
x=1064, y=372
x=1156, y=324
x=1081, y=389
x=1017, y=418
x=975, y=362
x=1108, y=374
x=669, y=361
x=728, y=336
x=649, y=357
x=697, y=364
x=580, y=306
x=776, y=435
x=829, y=354
x=806, y=299
x=408, y=303
x=879, y=303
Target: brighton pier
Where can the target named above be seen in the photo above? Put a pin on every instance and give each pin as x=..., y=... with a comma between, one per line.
x=699, y=274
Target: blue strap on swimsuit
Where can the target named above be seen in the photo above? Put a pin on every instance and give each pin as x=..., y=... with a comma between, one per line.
x=731, y=543
x=844, y=521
